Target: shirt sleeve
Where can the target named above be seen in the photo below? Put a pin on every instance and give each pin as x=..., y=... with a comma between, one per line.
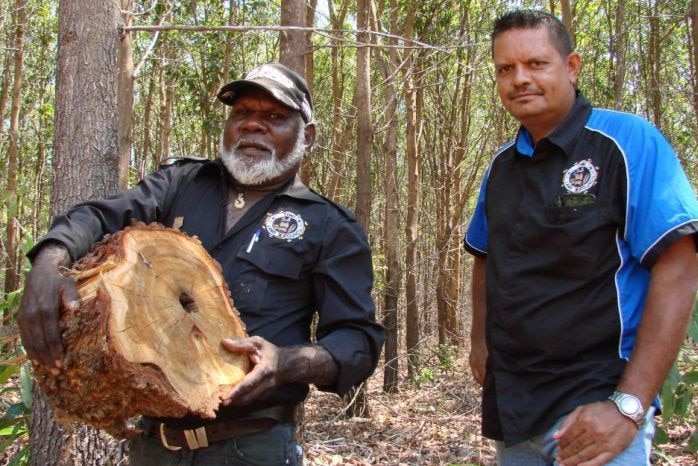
x=342, y=282
x=475, y=241
x=662, y=206
x=86, y=223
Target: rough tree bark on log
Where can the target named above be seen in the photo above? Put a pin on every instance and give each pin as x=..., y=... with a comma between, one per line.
x=146, y=339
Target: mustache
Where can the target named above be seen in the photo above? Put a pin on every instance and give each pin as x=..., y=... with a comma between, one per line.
x=519, y=92
x=251, y=143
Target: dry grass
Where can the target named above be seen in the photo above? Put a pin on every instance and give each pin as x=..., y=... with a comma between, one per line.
x=435, y=424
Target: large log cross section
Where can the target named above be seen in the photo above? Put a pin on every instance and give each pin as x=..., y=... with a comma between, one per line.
x=146, y=339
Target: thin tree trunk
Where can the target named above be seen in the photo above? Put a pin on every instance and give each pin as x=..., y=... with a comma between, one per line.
x=364, y=130
x=566, y=11
x=85, y=166
x=307, y=164
x=227, y=54
x=5, y=91
x=145, y=156
x=292, y=44
x=390, y=237
x=11, y=273
x=340, y=137
x=694, y=40
x=619, y=55
x=166, y=101
x=413, y=194
x=364, y=137
x=125, y=93
x=654, y=64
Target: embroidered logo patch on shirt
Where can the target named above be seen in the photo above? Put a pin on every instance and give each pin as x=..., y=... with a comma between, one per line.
x=580, y=177
x=285, y=225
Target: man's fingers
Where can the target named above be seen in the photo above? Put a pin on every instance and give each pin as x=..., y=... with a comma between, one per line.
x=563, y=432
x=70, y=298
x=238, y=346
x=247, y=390
x=52, y=343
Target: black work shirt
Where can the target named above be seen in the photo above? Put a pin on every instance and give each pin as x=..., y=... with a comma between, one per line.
x=570, y=228
x=321, y=263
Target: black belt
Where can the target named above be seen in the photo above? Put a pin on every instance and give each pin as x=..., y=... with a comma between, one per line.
x=200, y=437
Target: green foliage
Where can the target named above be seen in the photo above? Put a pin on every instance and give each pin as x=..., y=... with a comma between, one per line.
x=14, y=424
x=427, y=374
x=447, y=355
x=441, y=359
x=680, y=389
x=16, y=392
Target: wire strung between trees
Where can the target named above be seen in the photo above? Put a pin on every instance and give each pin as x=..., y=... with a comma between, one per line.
x=328, y=33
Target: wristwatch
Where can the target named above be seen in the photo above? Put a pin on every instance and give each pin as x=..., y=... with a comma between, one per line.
x=629, y=406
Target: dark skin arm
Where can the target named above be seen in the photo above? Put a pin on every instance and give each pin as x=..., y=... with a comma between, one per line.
x=595, y=433
x=46, y=292
x=478, y=345
x=273, y=366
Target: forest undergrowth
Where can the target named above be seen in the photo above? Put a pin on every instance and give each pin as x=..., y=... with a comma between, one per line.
x=433, y=422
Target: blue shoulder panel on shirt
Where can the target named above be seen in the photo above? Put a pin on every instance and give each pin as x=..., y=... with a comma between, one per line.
x=476, y=235
x=660, y=197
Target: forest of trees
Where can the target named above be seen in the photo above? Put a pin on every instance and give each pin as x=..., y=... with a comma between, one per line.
x=407, y=115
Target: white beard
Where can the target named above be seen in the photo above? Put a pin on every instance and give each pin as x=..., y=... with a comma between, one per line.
x=250, y=172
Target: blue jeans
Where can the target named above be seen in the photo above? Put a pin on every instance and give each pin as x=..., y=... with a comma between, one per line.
x=541, y=449
x=274, y=447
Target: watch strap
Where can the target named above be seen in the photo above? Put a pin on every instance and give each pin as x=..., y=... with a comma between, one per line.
x=621, y=399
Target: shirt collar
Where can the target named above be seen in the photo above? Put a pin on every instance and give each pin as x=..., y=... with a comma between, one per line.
x=564, y=135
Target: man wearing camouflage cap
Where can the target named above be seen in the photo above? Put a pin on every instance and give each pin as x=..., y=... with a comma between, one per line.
x=285, y=251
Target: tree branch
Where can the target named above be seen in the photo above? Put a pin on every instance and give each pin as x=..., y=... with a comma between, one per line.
x=330, y=33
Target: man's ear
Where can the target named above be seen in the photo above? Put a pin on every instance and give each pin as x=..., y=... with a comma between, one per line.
x=574, y=64
x=309, y=131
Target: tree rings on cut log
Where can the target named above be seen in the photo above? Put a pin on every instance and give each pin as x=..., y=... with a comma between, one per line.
x=147, y=337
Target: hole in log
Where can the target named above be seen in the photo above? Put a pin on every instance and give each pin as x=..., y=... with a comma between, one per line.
x=188, y=303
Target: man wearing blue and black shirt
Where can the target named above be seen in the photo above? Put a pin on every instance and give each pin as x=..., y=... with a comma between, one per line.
x=585, y=270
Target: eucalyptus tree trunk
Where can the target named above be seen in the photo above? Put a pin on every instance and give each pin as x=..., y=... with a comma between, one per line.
x=412, y=114
x=125, y=95
x=5, y=91
x=292, y=44
x=654, y=64
x=357, y=401
x=11, y=265
x=166, y=100
x=391, y=290
x=694, y=49
x=618, y=51
x=307, y=165
x=309, y=56
x=227, y=54
x=566, y=10
x=364, y=126
x=146, y=155
x=85, y=165
x=341, y=127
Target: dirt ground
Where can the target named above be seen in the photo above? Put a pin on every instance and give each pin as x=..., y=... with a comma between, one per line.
x=437, y=423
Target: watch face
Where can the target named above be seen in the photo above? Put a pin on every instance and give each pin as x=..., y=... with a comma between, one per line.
x=630, y=405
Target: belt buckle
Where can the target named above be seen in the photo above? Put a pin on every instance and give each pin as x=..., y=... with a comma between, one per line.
x=196, y=438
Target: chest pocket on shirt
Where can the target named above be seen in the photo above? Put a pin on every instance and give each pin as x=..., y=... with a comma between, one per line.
x=561, y=215
x=264, y=265
x=585, y=233
x=273, y=260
